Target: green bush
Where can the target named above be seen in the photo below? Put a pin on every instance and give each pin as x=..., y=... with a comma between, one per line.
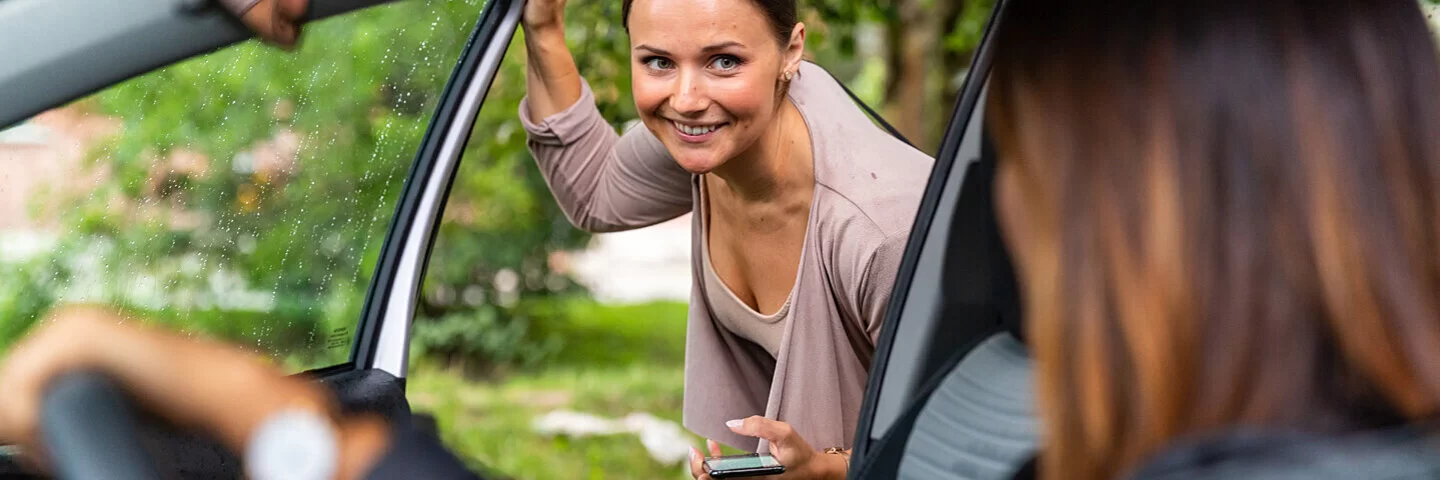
x=483, y=341
x=24, y=296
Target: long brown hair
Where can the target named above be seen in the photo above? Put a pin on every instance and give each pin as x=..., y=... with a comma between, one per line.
x=1234, y=209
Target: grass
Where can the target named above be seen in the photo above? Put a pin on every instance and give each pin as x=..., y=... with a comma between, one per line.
x=490, y=424
x=617, y=360
x=597, y=334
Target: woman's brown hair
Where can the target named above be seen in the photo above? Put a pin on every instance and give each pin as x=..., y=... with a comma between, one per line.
x=781, y=14
x=1234, y=217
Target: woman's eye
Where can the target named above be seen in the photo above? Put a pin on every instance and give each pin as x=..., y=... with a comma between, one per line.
x=726, y=63
x=658, y=63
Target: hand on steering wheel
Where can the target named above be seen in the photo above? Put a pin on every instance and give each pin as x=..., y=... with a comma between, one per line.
x=188, y=382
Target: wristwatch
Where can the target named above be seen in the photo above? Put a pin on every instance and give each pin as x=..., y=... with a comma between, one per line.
x=298, y=442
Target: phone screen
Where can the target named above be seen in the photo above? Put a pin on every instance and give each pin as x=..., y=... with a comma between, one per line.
x=742, y=462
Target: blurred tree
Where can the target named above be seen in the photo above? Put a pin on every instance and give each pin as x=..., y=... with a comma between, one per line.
x=915, y=36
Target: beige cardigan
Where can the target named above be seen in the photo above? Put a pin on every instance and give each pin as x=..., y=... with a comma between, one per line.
x=868, y=187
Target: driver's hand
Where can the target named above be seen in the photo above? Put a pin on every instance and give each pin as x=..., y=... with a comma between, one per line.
x=186, y=381
x=277, y=21
x=64, y=343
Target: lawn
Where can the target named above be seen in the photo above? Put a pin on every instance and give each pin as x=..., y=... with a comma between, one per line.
x=617, y=360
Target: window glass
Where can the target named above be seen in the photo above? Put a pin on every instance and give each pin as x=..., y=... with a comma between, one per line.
x=242, y=195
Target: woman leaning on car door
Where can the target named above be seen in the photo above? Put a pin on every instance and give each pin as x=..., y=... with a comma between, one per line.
x=802, y=205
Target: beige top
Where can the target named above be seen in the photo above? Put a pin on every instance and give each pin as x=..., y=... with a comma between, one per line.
x=732, y=312
x=867, y=189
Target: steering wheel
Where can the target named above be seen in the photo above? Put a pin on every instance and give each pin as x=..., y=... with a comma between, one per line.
x=89, y=429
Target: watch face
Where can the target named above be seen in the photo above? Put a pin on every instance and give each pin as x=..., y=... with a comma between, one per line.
x=292, y=445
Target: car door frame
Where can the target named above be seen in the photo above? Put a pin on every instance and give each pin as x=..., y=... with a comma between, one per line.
x=383, y=338
x=56, y=52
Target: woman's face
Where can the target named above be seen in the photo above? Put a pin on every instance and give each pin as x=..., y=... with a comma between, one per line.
x=706, y=76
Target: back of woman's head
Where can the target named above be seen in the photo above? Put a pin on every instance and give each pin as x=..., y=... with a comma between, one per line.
x=1231, y=216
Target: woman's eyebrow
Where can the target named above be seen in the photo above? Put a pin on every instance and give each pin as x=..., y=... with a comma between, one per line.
x=708, y=49
x=721, y=46
x=653, y=50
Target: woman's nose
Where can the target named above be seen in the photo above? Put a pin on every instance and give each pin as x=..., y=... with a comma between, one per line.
x=689, y=96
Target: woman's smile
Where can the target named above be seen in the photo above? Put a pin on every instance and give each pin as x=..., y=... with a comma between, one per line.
x=697, y=133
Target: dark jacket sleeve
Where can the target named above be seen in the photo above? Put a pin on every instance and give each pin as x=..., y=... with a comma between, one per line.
x=414, y=454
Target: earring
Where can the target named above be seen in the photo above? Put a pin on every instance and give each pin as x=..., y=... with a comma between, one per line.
x=789, y=75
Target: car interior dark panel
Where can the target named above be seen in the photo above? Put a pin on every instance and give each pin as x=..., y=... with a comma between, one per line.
x=10, y=468
x=140, y=36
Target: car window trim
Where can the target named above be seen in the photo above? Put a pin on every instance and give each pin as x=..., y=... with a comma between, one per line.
x=60, y=65
x=382, y=336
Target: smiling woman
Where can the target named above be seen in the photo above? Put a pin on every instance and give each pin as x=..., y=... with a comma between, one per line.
x=803, y=209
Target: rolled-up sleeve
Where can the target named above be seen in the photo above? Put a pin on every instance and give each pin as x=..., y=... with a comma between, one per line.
x=604, y=181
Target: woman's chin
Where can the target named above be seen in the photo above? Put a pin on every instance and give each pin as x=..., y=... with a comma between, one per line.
x=699, y=165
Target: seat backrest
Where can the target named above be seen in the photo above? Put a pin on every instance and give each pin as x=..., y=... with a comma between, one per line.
x=979, y=423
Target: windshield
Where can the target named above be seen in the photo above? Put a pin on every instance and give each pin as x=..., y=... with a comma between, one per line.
x=242, y=195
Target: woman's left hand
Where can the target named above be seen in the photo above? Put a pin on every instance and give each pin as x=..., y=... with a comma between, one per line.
x=800, y=460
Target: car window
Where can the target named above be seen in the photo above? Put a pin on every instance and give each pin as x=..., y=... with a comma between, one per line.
x=242, y=195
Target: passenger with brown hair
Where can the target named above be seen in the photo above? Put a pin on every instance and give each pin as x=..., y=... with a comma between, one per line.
x=1226, y=224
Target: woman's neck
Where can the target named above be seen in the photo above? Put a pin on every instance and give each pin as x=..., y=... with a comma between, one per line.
x=777, y=166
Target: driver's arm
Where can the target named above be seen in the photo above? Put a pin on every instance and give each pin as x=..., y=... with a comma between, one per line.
x=199, y=384
x=275, y=21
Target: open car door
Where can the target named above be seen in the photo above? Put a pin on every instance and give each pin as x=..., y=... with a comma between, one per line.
x=57, y=54
x=949, y=394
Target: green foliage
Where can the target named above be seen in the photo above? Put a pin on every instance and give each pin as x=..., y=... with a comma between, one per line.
x=483, y=340
x=966, y=35
x=594, y=333
x=24, y=296
x=352, y=103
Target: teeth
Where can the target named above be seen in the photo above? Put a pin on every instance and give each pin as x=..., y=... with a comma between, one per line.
x=696, y=131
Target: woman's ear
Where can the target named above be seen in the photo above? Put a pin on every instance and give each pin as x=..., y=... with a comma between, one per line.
x=795, y=50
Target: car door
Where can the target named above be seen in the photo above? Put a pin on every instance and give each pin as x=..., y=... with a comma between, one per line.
x=954, y=298
x=187, y=212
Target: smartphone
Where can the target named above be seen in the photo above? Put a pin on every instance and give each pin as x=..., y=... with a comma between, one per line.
x=749, y=465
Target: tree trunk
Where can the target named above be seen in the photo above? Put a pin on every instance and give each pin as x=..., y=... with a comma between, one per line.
x=920, y=69
x=952, y=63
